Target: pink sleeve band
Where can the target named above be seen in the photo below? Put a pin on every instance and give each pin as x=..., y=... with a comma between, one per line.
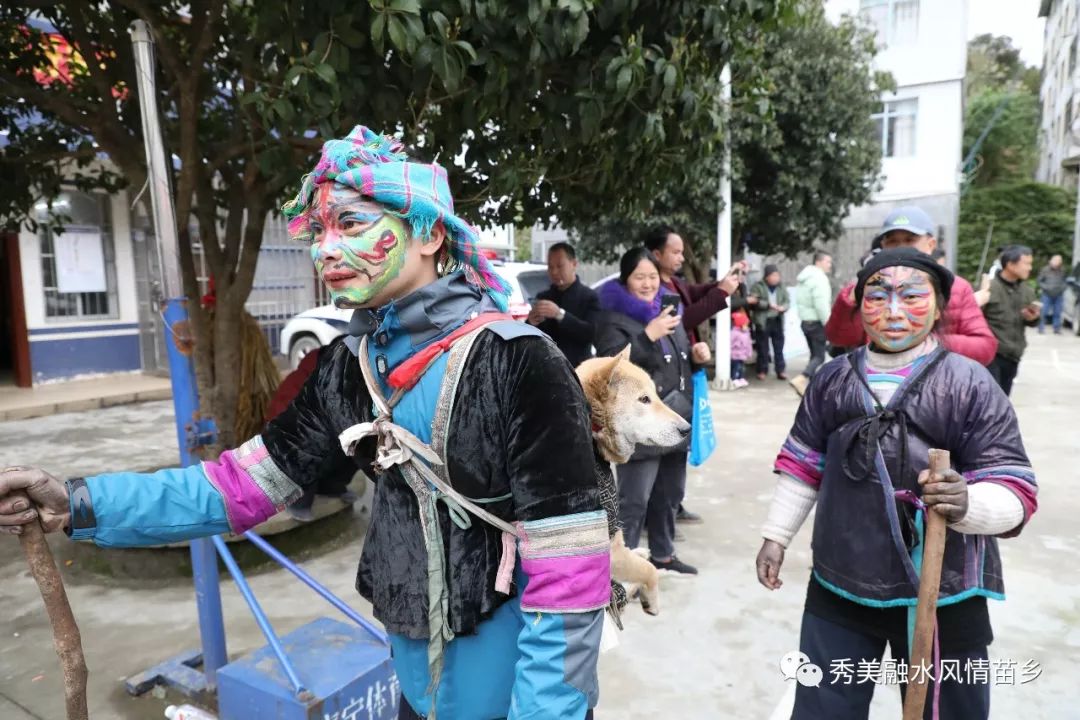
x=568, y=562
x=251, y=485
x=1020, y=480
x=800, y=462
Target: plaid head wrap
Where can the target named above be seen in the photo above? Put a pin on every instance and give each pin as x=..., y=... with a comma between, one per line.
x=377, y=167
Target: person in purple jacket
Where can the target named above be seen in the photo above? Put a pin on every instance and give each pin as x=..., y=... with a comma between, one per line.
x=859, y=450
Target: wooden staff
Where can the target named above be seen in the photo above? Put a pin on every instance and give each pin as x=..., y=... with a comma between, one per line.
x=66, y=638
x=922, y=644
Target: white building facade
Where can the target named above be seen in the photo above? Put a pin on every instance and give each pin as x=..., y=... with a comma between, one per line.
x=1059, y=134
x=923, y=44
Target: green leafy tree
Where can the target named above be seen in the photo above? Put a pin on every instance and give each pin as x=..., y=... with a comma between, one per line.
x=1002, y=113
x=1035, y=214
x=994, y=64
x=803, y=147
x=1009, y=152
x=551, y=108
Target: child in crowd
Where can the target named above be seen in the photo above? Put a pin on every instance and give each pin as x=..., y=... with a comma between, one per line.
x=741, y=347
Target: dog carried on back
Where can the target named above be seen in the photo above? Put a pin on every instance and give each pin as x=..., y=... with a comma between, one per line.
x=625, y=412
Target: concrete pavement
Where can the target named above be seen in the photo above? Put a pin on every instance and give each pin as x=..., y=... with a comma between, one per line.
x=80, y=395
x=712, y=653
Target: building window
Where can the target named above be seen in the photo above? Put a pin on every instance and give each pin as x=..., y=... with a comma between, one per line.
x=86, y=216
x=896, y=21
x=895, y=126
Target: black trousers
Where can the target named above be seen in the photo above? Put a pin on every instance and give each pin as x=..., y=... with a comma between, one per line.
x=773, y=332
x=407, y=713
x=815, y=338
x=837, y=650
x=650, y=492
x=1004, y=371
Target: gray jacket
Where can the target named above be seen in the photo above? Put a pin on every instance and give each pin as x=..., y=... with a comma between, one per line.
x=1052, y=281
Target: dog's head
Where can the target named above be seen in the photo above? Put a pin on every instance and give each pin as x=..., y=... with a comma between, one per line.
x=626, y=411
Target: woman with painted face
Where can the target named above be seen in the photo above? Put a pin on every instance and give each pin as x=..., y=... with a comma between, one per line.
x=859, y=450
x=452, y=407
x=641, y=314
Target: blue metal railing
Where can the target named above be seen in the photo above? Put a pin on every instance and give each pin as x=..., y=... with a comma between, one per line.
x=330, y=597
x=260, y=616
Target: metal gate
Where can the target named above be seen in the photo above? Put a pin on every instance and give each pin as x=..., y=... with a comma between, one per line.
x=285, y=282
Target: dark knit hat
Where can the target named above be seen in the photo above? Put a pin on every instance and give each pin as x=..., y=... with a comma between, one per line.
x=769, y=270
x=905, y=257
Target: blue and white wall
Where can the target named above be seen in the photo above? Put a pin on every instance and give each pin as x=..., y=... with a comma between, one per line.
x=67, y=348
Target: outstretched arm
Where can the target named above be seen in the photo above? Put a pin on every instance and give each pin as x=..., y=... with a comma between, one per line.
x=240, y=489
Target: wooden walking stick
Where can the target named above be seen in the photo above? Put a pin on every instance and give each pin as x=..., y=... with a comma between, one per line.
x=66, y=637
x=922, y=644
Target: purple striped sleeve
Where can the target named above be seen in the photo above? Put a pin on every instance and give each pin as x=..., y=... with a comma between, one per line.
x=1018, y=478
x=252, y=485
x=800, y=462
x=568, y=562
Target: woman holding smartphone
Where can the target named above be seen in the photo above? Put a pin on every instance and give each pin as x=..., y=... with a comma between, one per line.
x=639, y=313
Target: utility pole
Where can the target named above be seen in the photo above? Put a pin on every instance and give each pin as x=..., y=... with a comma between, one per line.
x=723, y=239
x=191, y=429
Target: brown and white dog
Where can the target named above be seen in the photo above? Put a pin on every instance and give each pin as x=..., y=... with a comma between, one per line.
x=625, y=412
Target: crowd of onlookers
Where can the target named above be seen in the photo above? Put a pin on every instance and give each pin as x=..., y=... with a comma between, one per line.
x=652, y=309
x=655, y=311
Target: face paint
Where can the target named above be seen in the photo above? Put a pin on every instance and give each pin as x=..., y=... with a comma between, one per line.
x=899, y=308
x=359, y=248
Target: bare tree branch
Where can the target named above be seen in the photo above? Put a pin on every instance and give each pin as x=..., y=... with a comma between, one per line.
x=204, y=33
x=73, y=111
x=46, y=157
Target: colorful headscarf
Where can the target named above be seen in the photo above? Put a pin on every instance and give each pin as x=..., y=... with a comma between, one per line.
x=376, y=166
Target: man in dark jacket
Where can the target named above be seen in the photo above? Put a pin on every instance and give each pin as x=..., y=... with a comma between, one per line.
x=567, y=310
x=481, y=625
x=699, y=302
x=1052, y=287
x=1012, y=308
x=769, y=300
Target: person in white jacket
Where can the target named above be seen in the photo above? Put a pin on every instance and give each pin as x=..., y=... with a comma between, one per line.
x=814, y=303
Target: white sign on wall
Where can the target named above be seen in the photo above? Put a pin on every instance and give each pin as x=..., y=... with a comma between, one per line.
x=80, y=262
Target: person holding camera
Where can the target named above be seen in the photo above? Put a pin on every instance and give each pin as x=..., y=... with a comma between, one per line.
x=639, y=313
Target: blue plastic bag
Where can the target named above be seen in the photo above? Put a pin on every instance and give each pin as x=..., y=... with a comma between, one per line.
x=702, y=438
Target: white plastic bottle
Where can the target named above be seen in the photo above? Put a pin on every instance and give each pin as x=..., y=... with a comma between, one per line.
x=187, y=712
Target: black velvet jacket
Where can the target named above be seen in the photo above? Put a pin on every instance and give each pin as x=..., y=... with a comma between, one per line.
x=520, y=425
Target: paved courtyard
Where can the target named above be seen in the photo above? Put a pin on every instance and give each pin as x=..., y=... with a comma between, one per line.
x=714, y=650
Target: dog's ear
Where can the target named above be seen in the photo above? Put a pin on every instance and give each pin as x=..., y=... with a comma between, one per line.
x=607, y=371
x=621, y=357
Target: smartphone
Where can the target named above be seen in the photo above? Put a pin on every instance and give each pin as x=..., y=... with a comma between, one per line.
x=669, y=301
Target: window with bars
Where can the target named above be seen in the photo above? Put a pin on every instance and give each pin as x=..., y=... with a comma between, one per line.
x=84, y=213
x=896, y=21
x=895, y=126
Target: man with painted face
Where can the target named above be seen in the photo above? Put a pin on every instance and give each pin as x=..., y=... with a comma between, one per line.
x=487, y=558
x=859, y=450
x=964, y=329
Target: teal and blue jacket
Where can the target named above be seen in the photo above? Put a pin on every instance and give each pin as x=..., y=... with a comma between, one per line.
x=520, y=436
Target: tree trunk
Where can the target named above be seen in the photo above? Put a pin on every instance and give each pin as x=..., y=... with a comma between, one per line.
x=694, y=269
x=227, y=366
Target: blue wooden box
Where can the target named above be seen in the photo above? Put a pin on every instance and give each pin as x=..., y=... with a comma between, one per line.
x=347, y=671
